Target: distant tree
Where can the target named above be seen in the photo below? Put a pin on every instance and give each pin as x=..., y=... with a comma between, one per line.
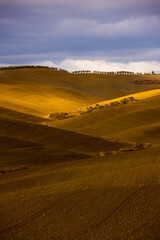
x=131, y=99
x=124, y=101
x=90, y=109
x=114, y=103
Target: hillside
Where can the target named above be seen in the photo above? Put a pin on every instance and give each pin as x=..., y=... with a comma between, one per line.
x=122, y=121
x=43, y=91
x=79, y=178
x=57, y=138
x=38, y=92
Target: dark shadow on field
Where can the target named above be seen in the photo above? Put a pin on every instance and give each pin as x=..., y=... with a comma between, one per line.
x=111, y=213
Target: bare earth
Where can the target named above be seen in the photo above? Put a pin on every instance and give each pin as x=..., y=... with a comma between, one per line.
x=54, y=183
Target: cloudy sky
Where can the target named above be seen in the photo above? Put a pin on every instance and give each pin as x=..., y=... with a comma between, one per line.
x=81, y=34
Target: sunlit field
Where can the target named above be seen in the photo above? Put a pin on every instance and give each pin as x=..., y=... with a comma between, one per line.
x=93, y=176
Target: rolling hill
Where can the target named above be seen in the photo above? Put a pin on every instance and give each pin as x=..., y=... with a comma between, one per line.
x=54, y=183
x=43, y=91
x=122, y=121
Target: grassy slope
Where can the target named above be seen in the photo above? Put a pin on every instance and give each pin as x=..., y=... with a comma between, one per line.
x=62, y=194
x=122, y=122
x=54, y=137
x=137, y=96
x=15, y=115
x=113, y=86
x=40, y=92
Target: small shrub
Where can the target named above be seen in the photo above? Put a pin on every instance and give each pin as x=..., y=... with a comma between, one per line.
x=90, y=109
x=135, y=147
x=59, y=116
x=131, y=99
x=81, y=113
x=106, y=105
x=101, y=106
x=114, y=103
x=124, y=101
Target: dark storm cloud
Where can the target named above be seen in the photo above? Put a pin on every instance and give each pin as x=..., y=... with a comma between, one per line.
x=78, y=26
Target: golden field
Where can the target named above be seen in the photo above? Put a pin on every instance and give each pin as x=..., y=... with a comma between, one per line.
x=78, y=178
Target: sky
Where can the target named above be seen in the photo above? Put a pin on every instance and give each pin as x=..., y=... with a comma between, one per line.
x=105, y=35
